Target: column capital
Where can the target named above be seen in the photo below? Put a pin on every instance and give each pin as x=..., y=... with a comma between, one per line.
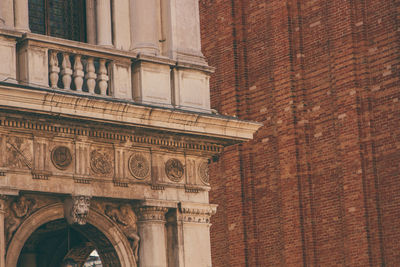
x=154, y=210
x=196, y=212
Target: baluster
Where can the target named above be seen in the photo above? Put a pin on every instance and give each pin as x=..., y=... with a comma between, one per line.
x=90, y=75
x=102, y=77
x=66, y=71
x=78, y=73
x=54, y=69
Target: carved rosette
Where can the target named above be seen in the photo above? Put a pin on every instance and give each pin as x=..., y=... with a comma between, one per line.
x=101, y=162
x=150, y=213
x=174, y=170
x=61, y=157
x=139, y=166
x=204, y=173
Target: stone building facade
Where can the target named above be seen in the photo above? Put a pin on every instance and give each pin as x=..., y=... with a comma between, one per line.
x=106, y=133
x=320, y=183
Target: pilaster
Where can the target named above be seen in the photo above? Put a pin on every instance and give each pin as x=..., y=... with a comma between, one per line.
x=6, y=14
x=2, y=231
x=193, y=223
x=21, y=15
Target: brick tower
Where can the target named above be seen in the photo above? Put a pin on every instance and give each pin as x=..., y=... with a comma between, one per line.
x=320, y=183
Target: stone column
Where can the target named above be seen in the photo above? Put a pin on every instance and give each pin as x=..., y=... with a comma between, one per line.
x=90, y=22
x=121, y=24
x=145, y=30
x=2, y=232
x=6, y=14
x=193, y=224
x=151, y=227
x=103, y=19
x=21, y=13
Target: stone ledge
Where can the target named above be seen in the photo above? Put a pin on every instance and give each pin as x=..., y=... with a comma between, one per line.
x=61, y=103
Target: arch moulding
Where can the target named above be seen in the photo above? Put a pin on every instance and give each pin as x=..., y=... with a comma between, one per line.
x=56, y=211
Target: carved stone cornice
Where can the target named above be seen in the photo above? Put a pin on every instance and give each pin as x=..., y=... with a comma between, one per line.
x=196, y=212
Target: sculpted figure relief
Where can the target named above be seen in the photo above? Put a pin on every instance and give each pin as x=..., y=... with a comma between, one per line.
x=126, y=218
x=20, y=208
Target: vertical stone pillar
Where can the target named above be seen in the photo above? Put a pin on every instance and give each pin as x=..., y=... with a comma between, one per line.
x=103, y=19
x=2, y=232
x=6, y=14
x=121, y=24
x=151, y=227
x=90, y=22
x=181, y=30
x=193, y=224
x=145, y=30
x=21, y=14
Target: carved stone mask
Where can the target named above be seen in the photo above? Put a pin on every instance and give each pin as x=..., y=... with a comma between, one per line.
x=76, y=209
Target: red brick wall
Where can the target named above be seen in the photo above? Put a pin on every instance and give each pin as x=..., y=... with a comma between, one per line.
x=320, y=183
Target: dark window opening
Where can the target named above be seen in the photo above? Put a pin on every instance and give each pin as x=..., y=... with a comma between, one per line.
x=58, y=18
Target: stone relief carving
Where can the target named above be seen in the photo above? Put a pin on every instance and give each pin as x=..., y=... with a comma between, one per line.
x=174, y=170
x=101, y=162
x=139, y=166
x=126, y=218
x=61, y=157
x=19, y=153
x=20, y=209
x=204, y=172
x=76, y=209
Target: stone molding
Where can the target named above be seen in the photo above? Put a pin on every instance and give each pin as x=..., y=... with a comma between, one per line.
x=57, y=102
x=196, y=212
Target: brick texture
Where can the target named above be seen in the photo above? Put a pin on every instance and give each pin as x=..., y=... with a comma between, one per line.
x=320, y=183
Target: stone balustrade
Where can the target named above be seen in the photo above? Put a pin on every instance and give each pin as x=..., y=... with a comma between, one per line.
x=79, y=73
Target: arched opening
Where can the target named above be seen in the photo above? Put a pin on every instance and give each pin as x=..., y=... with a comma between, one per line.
x=56, y=241
x=115, y=251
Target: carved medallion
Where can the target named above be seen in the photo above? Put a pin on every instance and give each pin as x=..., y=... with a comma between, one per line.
x=61, y=157
x=139, y=166
x=100, y=162
x=203, y=172
x=174, y=170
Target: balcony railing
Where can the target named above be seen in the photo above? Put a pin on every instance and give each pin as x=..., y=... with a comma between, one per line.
x=87, y=69
x=79, y=73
